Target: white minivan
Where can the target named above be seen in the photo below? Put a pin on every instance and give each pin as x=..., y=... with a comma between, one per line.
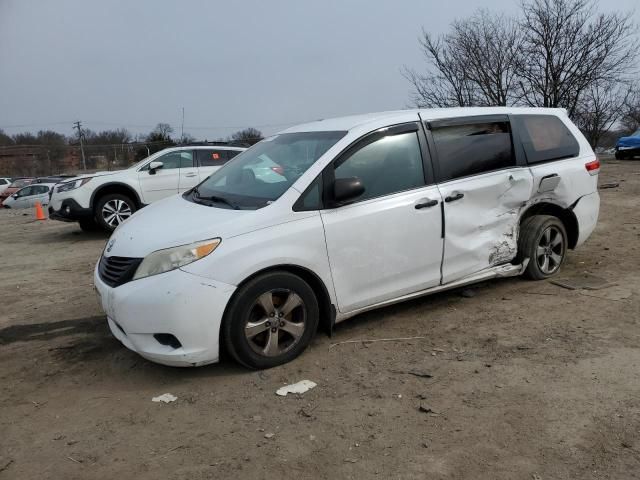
x=332, y=218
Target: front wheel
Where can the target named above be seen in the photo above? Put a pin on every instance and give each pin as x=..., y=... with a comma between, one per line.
x=270, y=320
x=543, y=240
x=113, y=209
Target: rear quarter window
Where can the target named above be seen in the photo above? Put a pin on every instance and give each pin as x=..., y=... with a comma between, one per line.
x=545, y=138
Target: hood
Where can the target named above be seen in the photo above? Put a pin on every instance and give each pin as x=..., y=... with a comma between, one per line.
x=175, y=221
x=628, y=142
x=91, y=175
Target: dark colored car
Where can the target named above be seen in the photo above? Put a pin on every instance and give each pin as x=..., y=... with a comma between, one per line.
x=628, y=147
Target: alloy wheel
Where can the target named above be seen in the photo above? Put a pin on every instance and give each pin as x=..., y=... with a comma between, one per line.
x=550, y=250
x=276, y=322
x=115, y=211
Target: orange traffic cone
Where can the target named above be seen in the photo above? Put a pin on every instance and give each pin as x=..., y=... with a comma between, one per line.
x=39, y=212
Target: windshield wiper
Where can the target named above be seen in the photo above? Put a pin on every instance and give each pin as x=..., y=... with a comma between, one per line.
x=217, y=199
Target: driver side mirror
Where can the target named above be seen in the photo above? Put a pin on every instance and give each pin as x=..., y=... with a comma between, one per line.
x=153, y=166
x=346, y=190
x=15, y=195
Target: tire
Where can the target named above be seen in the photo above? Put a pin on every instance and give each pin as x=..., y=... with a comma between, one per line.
x=107, y=205
x=88, y=225
x=543, y=240
x=618, y=156
x=269, y=343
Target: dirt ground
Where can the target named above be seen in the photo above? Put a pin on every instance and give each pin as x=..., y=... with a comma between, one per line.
x=528, y=380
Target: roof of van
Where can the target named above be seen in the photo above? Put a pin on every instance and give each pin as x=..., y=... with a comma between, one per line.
x=399, y=116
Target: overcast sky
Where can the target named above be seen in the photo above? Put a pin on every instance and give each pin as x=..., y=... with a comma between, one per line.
x=230, y=64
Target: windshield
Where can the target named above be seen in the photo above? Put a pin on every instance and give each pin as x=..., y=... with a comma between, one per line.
x=263, y=173
x=21, y=183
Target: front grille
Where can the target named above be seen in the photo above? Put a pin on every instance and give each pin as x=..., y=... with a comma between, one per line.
x=115, y=271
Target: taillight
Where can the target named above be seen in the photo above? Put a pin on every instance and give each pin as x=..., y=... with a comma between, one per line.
x=593, y=167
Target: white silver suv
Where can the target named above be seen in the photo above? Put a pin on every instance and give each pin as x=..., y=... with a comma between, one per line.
x=105, y=199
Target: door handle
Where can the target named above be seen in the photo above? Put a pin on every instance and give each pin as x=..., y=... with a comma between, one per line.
x=425, y=203
x=454, y=197
x=190, y=175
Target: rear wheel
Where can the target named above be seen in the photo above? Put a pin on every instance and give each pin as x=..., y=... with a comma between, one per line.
x=270, y=320
x=113, y=209
x=543, y=240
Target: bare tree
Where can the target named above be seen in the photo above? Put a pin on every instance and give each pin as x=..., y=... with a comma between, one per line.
x=631, y=111
x=475, y=64
x=247, y=136
x=568, y=49
x=162, y=130
x=5, y=140
x=599, y=109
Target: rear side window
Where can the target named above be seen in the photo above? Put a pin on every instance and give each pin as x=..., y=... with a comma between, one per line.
x=212, y=158
x=473, y=149
x=389, y=165
x=546, y=138
x=3, y=181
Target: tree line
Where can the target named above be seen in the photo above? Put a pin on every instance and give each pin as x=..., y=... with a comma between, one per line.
x=554, y=53
x=118, y=145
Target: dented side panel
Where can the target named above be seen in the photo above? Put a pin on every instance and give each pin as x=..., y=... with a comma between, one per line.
x=481, y=228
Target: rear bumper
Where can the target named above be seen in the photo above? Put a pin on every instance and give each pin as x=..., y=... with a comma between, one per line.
x=177, y=303
x=586, y=212
x=70, y=211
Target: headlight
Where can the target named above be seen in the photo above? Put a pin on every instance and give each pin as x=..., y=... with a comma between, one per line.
x=65, y=187
x=168, y=259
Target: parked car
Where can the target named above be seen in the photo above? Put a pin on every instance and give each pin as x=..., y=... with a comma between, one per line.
x=28, y=196
x=106, y=199
x=4, y=183
x=628, y=147
x=369, y=210
x=16, y=185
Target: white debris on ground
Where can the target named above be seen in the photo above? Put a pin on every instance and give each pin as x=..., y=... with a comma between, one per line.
x=165, y=398
x=300, y=387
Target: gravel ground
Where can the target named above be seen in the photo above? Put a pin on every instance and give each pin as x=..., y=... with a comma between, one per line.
x=513, y=379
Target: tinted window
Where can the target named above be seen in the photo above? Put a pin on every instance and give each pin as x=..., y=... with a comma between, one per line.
x=391, y=164
x=3, y=181
x=39, y=189
x=233, y=153
x=472, y=149
x=546, y=137
x=212, y=158
x=25, y=192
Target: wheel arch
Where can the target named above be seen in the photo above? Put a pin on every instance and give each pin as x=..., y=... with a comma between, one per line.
x=327, y=309
x=566, y=216
x=115, y=187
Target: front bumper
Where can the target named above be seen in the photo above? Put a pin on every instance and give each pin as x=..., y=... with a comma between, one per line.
x=70, y=211
x=177, y=303
x=628, y=150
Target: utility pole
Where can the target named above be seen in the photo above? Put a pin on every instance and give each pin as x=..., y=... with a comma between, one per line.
x=78, y=125
x=182, y=127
